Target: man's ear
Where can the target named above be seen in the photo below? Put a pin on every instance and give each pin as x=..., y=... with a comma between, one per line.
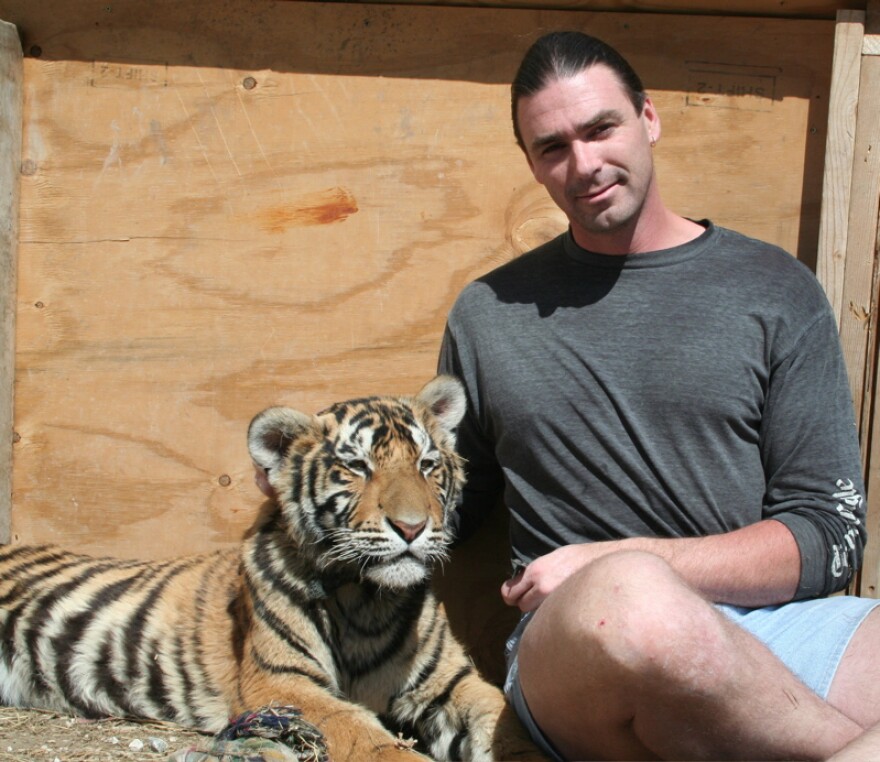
x=651, y=118
x=529, y=162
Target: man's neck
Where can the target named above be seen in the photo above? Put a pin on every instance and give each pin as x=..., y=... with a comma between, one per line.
x=655, y=230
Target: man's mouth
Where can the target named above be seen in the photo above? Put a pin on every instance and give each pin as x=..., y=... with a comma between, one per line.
x=592, y=195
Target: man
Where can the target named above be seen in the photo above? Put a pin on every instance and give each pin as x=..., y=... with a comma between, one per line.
x=664, y=405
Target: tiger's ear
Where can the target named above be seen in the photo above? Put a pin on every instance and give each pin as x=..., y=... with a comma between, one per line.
x=272, y=431
x=444, y=397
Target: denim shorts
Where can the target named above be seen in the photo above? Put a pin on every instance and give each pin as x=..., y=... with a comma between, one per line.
x=809, y=637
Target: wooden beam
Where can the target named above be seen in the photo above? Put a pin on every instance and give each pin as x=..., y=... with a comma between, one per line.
x=10, y=164
x=868, y=146
x=839, y=147
x=804, y=9
x=858, y=313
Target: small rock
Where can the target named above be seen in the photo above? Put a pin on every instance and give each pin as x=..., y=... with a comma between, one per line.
x=158, y=745
x=136, y=745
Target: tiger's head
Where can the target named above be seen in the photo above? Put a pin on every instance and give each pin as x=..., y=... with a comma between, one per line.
x=366, y=486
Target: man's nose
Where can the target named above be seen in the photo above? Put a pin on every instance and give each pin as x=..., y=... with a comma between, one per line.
x=585, y=159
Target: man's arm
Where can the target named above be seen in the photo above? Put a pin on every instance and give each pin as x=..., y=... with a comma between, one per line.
x=812, y=537
x=810, y=452
x=758, y=565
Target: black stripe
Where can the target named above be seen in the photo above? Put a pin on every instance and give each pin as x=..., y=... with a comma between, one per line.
x=136, y=624
x=315, y=467
x=420, y=726
x=178, y=652
x=157, y=690
x=407, y=614
x=443, y=697
x=430, y=667
x=10, y=553
x=43, y=615
x=289, y=669
x=195, y=670
x=456, y=744
x=295, y=469
x=13, y=551
x=24, y=586
x=270, y=619
x=118, y=690
x=263, y=560
x=65, y=642
x=115, y=690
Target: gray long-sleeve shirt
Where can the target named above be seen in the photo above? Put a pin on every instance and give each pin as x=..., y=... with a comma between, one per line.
x=677, y=393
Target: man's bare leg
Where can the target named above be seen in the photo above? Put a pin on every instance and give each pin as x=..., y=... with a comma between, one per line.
x=624, y=661
x=866, y=748
x=855, y=690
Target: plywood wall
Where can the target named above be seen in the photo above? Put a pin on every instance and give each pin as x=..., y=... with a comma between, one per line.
x=227, y=206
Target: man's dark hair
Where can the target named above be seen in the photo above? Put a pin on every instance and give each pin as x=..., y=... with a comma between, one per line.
x=560, y=55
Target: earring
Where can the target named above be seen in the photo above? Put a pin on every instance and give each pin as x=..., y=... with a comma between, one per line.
x=653, y=141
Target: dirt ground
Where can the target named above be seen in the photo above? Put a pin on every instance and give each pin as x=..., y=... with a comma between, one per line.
x=28, y=735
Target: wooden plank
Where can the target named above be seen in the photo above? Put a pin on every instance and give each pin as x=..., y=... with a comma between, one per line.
x=278, y=202
x=10, y=163
x=869, y=577
x=869, y=582
x=839, y=149
x=813, y=9
x=858, y=308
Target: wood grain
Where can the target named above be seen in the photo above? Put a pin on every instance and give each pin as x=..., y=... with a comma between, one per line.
x=839, y=150
x=858, y=317
x=10, y=164
x=862, y=275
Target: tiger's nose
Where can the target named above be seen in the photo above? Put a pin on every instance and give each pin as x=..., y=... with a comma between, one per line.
x=405, y=529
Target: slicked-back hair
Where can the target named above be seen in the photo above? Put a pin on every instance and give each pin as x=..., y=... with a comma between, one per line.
x=561, y=55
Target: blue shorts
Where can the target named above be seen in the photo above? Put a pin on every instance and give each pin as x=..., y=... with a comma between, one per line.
x=809, y=637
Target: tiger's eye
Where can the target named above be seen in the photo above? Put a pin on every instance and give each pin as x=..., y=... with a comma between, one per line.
x=429, y=464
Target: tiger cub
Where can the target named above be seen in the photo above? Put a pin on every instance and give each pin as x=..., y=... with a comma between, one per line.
x=326, y=605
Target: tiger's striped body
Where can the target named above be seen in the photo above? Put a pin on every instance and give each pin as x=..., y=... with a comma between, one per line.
x=326, y=605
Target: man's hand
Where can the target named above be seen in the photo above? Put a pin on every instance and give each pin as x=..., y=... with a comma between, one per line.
x=528, y=589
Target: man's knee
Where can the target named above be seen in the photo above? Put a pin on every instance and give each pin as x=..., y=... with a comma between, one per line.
x=630, y=612
x=618, y=638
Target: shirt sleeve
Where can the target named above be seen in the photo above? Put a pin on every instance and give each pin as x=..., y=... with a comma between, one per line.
x=484, y=481
x=811, y=458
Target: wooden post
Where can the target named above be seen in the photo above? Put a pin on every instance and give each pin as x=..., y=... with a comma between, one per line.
x=10, y=165
x=858, y=314
x=863, y=240
x=839, y=146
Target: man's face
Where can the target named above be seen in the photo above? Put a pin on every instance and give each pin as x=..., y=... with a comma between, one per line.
x=591, y=150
